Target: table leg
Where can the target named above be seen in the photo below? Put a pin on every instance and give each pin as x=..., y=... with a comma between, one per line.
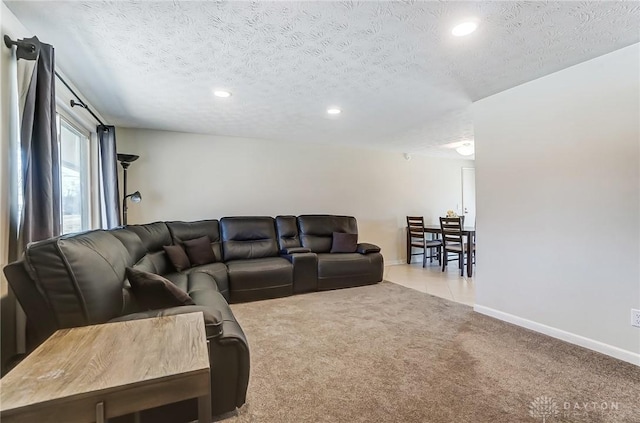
x=408, y=246
x=204, y=409
x=100, y=412
x=204, y=402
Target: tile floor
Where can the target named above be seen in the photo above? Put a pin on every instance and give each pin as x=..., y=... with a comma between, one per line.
x=434, y=281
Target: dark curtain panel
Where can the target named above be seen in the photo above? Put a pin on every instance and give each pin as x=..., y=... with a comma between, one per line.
x=36, y=209
x=109, y=176
x=40, y=157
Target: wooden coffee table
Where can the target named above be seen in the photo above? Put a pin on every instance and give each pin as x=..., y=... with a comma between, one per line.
x=93, y=373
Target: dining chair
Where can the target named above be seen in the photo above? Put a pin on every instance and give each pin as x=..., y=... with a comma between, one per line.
x=453, y=241
x=416, y=239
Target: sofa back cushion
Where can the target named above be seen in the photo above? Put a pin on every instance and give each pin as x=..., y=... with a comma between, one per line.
x=184, y=231
x=287, y=230
x=316, y=230
x=248, y=237
x=154, y=236
x=344, y=243
x=131, y=242
x=81, y=276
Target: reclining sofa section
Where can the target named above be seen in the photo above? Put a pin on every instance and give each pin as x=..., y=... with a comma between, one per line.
x=79, y=279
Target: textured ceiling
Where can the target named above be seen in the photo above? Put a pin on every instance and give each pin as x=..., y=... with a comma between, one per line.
x=403, y=81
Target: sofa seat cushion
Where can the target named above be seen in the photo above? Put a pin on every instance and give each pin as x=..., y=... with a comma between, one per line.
x=218, y=271
x=262, y=278
x=213, y=301
x=216, y=278
x=344, y=264
x=193, y=281
x=348, y=269
x=199, y=281
x=179, y=279
x=203, y=289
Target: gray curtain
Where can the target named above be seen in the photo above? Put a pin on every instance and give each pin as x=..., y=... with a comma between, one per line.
x=110, y=198
x=35, y=210
x=40, y=214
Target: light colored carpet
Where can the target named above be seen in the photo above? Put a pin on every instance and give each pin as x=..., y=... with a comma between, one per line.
x=385, y=353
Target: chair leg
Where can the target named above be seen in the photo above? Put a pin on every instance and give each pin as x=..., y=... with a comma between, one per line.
x=461, y=261
x=444, y=260
x=424, y=257
x=408, y=251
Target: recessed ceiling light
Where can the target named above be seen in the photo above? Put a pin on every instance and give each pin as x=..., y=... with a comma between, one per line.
x=466, y=149
x=222, y=93
x=334, y=111
x=464, y=28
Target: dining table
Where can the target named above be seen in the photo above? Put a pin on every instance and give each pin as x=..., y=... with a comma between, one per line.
x=468, y=231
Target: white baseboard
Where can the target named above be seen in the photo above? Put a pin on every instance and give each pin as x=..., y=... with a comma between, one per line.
x=402, y=261
x=572, y=338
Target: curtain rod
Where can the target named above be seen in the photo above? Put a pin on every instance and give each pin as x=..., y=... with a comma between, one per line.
x=32, y=48
x=80, y=102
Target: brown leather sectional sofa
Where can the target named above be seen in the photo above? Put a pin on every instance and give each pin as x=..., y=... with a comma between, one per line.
x=76, y=280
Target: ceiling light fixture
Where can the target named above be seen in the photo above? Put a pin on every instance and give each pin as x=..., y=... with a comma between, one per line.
x=222, y=93
x=464, y=28
x=466, y=149
x=334, y=111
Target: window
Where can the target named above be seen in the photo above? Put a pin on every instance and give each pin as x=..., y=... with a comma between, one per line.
x=74, y=176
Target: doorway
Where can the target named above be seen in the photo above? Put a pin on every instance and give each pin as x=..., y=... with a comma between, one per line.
x=469, y=195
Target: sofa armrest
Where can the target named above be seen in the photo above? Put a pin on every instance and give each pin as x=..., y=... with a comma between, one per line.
x=212, y=318
x=294, y=250
x=365, y=248
x=305, y=271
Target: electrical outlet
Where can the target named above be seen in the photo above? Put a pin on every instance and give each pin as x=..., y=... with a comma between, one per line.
x=635, y=317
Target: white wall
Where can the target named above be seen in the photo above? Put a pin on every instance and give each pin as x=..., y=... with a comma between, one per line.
x=188, y=176
x=557, y=164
